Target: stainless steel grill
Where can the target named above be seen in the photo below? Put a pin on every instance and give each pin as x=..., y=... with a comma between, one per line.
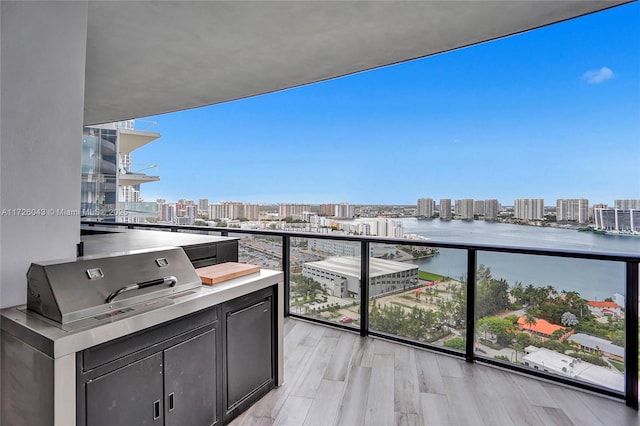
x=103, y=287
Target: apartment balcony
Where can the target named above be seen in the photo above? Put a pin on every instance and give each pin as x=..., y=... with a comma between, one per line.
x=148, y=208
x=334, y=377
x=136, y=174
x=130, y=139
x=368, y=343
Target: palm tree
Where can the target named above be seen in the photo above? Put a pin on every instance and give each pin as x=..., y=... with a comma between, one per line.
x=529, y=319
x=517, y=346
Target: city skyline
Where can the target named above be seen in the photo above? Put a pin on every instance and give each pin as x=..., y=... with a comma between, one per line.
x=550, y=113
x=452, y=200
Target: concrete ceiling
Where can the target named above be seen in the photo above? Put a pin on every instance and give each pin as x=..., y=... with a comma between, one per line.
x=147, y=58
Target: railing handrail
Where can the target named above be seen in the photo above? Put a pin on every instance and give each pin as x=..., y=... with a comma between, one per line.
x=579, y=254
x=632, y=261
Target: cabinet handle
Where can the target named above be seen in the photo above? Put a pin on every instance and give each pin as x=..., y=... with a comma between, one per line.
x=156, y=410
x=171, y=401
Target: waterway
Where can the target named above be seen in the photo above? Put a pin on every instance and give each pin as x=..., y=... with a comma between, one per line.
x=594, y=280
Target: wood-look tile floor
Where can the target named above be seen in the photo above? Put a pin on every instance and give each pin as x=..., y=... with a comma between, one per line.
x=334, y=377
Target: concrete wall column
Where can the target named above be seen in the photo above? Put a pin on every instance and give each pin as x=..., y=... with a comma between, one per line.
x=42, y=72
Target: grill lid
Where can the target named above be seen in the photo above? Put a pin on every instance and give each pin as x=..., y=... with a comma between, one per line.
x=72, y=290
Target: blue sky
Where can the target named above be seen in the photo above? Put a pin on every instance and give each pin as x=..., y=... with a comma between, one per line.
x=552, y=113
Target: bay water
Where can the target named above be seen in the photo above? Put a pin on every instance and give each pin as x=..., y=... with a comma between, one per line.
x=593, y=279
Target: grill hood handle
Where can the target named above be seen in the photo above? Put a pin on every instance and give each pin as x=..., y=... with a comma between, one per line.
x=170, y=279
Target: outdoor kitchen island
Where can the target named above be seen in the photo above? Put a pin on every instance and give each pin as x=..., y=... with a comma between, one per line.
x=199, y=355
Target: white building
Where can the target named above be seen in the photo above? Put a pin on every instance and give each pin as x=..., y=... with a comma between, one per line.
x=344, y=211
x=605, y=309
x=554, y=362
x=340, y=276
x=528, y=208
x=425, y=207
x=348, y=248
x=464, y=208
x=618, y=299
x=633, y=204
x=572, y=210
x=391, y=228
x=491, y=208
x=445, y=208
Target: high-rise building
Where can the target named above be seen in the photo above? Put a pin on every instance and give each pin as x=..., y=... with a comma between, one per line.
x=167, y=212
x=425, y=207
x=491, y=208
x=234, y=210
x=627, y=204
x=445, y=208
x=110, y=181
x=290, y=210
x=464, y=208
x=327, y=209
x=617, y=220
x=479, y=207
x=203, y=206
x=191, y=211
x=572, y=210
x=344, y=211
x=388, y=228
x=529, y=208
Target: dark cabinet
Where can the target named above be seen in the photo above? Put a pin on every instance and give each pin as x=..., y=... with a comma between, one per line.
x=249, y=350
x=201, y=369
x=190, y=386
x=169, y=376
x=131, y=395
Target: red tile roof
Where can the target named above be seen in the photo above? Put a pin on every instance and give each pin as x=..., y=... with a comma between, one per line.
x=541, y=326
x=610, y=305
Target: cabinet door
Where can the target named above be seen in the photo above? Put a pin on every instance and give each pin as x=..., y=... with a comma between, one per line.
x=249, y=350
x=190, y=381
x=130, y=396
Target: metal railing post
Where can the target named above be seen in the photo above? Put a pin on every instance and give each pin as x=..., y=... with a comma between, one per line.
x=471, y=305
x=364, y=288
x=286, y=268
x=631, y=334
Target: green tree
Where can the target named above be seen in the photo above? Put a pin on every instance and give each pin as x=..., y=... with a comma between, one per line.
x=617, y=337
x=500, y=327
x=457, y=343
x=492, y=296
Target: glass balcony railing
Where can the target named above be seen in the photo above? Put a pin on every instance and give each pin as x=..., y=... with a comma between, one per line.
x=141, y=207
x=566, y=316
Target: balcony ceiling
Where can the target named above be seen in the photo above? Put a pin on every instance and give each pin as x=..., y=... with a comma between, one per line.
x=148, y=58
x=130, y=140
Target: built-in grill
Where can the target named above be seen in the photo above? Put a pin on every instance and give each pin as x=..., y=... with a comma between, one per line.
x=104, y=287
x=134, y=338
